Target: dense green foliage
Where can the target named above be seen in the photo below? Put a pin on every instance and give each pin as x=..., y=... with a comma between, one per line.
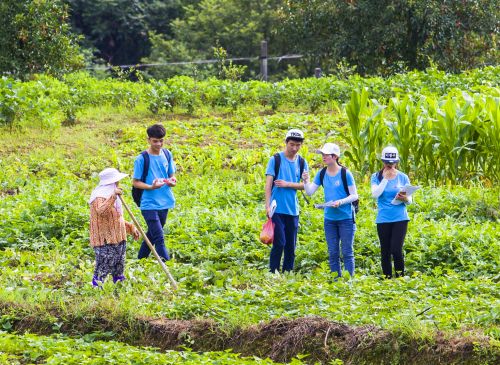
x=117, y=30
x=441, y=123
x=386, y=36
x=15, y=349
x=36, y=38
x=382, y=37
x=238, y=26
x=221, y=135
x=341, y=37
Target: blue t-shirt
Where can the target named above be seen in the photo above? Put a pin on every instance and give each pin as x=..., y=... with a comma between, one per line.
x=286, y=198
x=334, y=190
x=161, y=198
x=388, y=212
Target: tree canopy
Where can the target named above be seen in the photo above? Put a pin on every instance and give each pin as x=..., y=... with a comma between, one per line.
x=372, y=37
x=383, y=36
x=35, y=37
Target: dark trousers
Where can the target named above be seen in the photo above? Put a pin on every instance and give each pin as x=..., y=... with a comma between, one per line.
x=285, y=240
x=155, y=219
x=110, y=259
x=392, y=236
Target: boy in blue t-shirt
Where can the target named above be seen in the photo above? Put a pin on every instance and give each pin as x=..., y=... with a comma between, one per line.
x=157, y=197
x=283, y=188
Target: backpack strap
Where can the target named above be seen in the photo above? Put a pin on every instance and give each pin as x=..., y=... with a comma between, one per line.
x=379, y=176
x=302, y=164
x=168, y=155
x=277, y=163
x=322, y=175
x=145, y=156
x=343, y=175
x=145, y=170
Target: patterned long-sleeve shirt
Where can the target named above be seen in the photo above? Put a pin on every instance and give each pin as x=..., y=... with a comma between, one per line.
x=107, y=226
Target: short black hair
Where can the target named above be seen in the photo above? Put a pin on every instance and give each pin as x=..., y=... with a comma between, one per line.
x=156, y=131
x=295, y=139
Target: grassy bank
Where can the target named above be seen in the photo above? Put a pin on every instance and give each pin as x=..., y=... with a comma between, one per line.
x=445, y=310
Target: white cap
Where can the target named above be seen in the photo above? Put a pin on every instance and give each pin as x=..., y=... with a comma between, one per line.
x=295, y=133
x=330, y=149
x=110, y=175
x=390, y=154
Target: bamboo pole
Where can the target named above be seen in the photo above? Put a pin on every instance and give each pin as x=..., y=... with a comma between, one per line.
x=151, y=247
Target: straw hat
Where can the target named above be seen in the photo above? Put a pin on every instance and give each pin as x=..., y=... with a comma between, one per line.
x=110, y=175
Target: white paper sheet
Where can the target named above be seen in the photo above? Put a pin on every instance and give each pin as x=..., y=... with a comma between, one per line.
x=409, y=189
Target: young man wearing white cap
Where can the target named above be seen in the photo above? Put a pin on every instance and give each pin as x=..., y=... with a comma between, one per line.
x=108, y=229
x=283, y=174
x=339, y=216
x=392, y=216
x=154, y=174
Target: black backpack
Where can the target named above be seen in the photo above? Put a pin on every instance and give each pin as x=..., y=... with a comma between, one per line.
x=343, y=175
x=277, y=163
x=137, y=193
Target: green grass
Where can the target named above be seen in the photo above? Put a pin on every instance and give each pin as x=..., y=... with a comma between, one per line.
x=452, y=247
x=58, y=349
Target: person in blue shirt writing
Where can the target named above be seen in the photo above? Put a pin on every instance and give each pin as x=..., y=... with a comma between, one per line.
x=392, y=216
x=283, y=175
x=340, y=192
x=154, y=171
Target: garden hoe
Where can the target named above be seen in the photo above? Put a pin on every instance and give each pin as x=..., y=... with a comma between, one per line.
x=151, y=247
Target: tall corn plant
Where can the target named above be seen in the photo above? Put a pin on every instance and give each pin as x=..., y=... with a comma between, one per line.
x=489, y=139
x=412, y=132
x=472, y=111
x=404, y=130
x=455, y=137
x=367, y=131
x=426, y=165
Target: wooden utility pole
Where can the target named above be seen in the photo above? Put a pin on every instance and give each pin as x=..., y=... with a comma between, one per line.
x=263, y=60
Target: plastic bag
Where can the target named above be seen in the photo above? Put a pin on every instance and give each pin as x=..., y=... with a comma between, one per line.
x=267, y=233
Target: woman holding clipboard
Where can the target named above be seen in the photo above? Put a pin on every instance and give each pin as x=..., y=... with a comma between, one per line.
x=392, y=216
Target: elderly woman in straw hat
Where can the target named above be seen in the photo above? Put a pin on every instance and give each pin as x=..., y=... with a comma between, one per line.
x=108, y=229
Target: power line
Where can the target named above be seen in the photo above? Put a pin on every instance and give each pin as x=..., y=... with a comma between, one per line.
x=196, y=62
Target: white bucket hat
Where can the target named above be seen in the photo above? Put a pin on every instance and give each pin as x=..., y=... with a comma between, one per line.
x=390, y=155
x=110, y=175
x=330, y=149
x=295, y=133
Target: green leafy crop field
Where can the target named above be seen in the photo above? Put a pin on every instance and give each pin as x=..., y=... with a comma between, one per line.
x=446, y=310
